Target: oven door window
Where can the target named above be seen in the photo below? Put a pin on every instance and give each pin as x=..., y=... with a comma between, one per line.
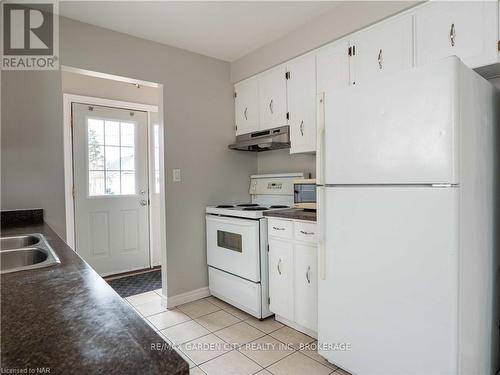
x=230, y=241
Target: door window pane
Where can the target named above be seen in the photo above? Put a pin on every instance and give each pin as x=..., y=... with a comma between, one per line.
x=128, y=182
x=96, y=183
x=112, y=183
x=127, y=134
x=111, y=157
x=127, y=159
x=112, y=133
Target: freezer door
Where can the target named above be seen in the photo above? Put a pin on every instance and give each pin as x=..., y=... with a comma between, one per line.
x=387, y=302
x=400, y=129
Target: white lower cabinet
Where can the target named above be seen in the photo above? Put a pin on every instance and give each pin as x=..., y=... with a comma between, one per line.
x=306, y=286
x=293, y=277
x=281, y=278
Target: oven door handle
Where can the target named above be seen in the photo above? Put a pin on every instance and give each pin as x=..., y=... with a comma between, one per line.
x=278, y=266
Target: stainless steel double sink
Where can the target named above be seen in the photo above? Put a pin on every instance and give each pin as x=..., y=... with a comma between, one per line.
x=26, y=252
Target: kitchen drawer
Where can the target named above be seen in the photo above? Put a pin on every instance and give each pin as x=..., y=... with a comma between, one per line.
x=305, y=231
x=280, y=228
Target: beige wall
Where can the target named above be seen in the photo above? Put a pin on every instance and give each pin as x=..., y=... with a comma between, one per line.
x=199, y=118
x=342, y=20
x=280, y=161
x=32, y=144
x=79, y=84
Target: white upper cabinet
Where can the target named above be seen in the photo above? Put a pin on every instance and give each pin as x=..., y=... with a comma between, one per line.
x=301, y=90
x=246, y=107
x=383, y=49
x=333, y=66
x=467, y=29
x=272, y=98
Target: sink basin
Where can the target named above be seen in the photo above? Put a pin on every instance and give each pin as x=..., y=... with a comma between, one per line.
x=17, y=242
x=21, y=253
x=22, y=257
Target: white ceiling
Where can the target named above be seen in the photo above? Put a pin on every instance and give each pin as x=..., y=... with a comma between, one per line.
x=224, y=30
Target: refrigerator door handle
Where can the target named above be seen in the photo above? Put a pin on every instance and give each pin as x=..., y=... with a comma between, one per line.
x=321, y=231
x=320, y=137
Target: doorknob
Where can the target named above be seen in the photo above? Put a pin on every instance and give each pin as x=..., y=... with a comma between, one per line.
x=143, y=202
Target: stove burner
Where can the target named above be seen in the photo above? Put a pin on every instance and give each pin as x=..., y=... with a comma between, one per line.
x=279, y=206
x=225, y=206
x=248, y=205
x=255, y=208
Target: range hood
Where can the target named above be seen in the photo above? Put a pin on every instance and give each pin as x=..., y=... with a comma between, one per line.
x=264, y=140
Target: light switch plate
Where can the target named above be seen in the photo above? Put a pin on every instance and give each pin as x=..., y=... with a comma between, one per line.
x=176, y=175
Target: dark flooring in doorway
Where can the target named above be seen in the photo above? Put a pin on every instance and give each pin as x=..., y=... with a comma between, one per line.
x=140, y=283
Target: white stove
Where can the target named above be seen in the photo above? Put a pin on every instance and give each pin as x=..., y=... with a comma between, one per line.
x=237, y=243
x=246, y=210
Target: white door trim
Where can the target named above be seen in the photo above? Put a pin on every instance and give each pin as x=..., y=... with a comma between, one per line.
x=68, y=99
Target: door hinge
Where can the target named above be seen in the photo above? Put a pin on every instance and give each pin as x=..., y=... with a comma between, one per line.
x=287, y=75
x=235, y=127
x=498, y=45
x=268, y=300
x=73, y=192
x=268, y=247
x=354, y=50
x=349, y=51
x=235, y=94
x=288, y=115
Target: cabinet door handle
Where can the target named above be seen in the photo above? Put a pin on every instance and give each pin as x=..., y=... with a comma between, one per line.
x=308, y=277
x=301, y=127
x=380, y=59
x=271, y=108
x=452, y=35
x=245, y=113
x=306, y=233
x=278, y=228
x=278, y=266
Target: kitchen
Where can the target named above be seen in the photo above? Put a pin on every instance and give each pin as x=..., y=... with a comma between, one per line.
x=296, y=97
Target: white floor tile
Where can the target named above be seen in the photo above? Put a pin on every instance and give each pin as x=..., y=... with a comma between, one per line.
x=205, y=348
x=229, y=364
x=168, y=318
x=239, y=333
x=142, y=298
x=266, y=350
x=217, y=320
x=185, y=332
x=198, y=308
x=298, y=364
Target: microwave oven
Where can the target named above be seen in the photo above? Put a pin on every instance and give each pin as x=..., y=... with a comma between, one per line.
x=304, y=194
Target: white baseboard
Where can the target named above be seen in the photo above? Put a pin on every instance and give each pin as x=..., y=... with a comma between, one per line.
x=296, y=326
x=190, y=296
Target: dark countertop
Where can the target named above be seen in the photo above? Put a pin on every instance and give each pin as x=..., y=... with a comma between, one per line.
x=293, y=213
x=68, y=319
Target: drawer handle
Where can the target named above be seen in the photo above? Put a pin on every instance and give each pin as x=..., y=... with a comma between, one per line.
x=452, y=35
x=278, y=228
x=306, y=233
x=271, y=108
x=308, y=278
x=278, y=266
x=379, y=59
x=245, y=113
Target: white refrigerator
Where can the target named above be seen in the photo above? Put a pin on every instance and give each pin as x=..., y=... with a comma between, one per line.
x=407, y=259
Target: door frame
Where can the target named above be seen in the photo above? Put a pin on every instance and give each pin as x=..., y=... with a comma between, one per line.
x=68, y=100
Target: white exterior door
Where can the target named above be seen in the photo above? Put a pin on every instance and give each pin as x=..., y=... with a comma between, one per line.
x=111, y=188
x=396, y=130
x=301, y=93
x=467, y=29
x=383, y=49
x=246, y=106
x=391, y=279
x=281, y=289
x=272, y=98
